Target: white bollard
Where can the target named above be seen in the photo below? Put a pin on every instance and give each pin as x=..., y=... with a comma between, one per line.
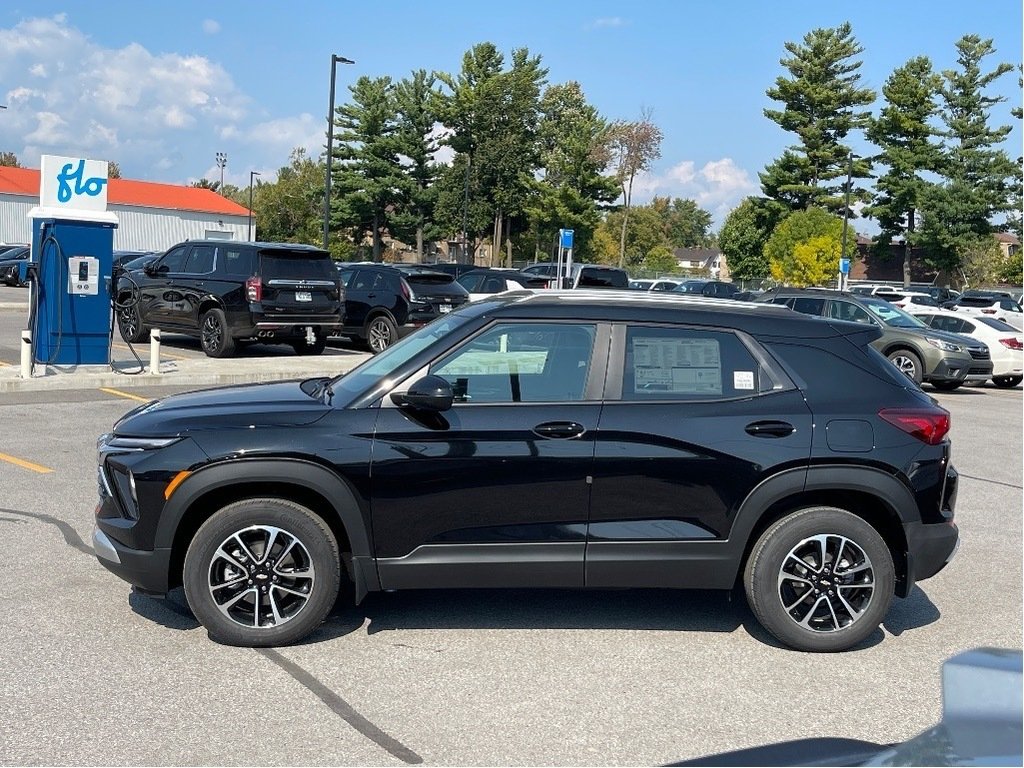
x=154, y=351
x=26, y=354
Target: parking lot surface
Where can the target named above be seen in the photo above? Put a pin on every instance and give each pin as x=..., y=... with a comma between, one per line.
x=93, y=673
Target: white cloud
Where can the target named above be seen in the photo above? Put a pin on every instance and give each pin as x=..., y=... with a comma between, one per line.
x=608, y=22
x=717, y=187
x=285, y=133
x=39, y=70
x=211, y=27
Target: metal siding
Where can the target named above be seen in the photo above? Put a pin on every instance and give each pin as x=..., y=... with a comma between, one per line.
x=139, y=229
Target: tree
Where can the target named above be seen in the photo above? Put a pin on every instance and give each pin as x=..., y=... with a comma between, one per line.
x=903, y=133
x=686, y=224
x=806, y=245
x=368, y=177
x=574, y=154
x=206, y=184
x=820, y=102
x=9, y=160
x=646, y=233
x=113, y=170
x=744, y=234
x=635, y=146
x=416, y=101
x=980, y=177
x=660, y=261
x=290, y=209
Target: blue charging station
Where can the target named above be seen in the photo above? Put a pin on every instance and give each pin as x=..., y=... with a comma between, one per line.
x=71, y=264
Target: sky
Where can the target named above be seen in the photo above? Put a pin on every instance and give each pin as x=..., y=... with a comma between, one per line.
x=162, y=87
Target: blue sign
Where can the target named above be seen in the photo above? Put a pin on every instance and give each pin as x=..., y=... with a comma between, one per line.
x=566, y=235
x=844, y=266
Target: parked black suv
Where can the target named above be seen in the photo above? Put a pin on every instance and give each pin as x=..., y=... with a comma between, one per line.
x=226, y=292
x=547, y=440
x=11, y=258
x=383, y=303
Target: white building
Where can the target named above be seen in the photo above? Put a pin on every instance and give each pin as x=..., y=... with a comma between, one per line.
x=152, y=217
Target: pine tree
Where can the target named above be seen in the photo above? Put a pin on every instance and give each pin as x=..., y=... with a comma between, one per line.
x=820, y=105
x=903, y=133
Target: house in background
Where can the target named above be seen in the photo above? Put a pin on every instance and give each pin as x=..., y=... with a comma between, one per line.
x=705, y=261
x=151, y=217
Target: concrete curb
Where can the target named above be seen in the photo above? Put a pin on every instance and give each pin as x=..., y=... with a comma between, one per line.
x=13, y=305
x=175, y=374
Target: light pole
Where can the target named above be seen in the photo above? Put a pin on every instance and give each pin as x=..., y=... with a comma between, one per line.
x=335, y=61
x=251, y=174
x=846, y=218
x=222, y=160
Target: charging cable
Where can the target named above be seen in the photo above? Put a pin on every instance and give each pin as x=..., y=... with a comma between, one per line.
x=128, y=303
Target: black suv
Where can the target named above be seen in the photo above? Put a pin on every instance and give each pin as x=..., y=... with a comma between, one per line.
x=383, y=303
x=226, y=293
x=547, y=440
x=11, y=259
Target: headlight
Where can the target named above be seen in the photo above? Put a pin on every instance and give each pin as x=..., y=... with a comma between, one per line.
x=110, y=445
x=943, y=345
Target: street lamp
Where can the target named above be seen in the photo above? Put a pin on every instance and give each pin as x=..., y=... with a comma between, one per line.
x=846, y=219
x=335, y=60
x=251, y=174
x=222, y=160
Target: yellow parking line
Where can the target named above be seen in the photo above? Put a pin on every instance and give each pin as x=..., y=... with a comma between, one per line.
x=25, y=464
x=170, y=355
x=129, y=395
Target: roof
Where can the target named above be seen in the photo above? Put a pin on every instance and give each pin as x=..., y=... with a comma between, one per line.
x=144, y=194
x=703, y=255
x=1007, y=237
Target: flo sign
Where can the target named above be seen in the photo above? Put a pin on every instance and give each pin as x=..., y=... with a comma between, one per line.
x=72, y=183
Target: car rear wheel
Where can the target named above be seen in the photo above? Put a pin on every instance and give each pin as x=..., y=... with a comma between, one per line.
x=908, y=363
x=947, y=386
x=262, y=572
x=821, y=579
x=1007, y=382
x=214, y=336
x=381, y=333
x=129, y=323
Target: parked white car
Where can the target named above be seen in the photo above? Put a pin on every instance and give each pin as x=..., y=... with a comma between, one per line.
x=1005, y=343
x=906, y=299
x=1000, y=307
x=661, y=284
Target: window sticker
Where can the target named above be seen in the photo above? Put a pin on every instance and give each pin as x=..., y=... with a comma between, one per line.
x=743, y=380
x=677, y=366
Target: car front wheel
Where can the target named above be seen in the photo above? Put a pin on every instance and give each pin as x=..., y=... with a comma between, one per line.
x=262, y=572
x=821, y=579
x=1007, y=382
x=908, y=363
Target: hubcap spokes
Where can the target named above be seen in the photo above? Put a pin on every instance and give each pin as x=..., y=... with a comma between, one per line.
x=380, y=336
x=905, y=364
x=826, y=582
x=128, y=322
x=211, y=333
x=261, y=577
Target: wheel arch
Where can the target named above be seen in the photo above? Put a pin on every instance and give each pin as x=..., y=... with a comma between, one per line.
x=875, y=496
x=304, y=482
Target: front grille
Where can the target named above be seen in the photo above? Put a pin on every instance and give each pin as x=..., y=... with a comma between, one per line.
x=978, y=371
x=979, y=353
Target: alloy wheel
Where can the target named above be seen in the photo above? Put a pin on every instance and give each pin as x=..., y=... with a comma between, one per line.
x=907, y=366
x=826, y=582
x=211, y=333
x=261, y=577
x=379, y=336
x=129, y=322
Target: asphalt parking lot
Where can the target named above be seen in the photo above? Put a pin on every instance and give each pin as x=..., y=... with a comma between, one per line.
x=96, y=674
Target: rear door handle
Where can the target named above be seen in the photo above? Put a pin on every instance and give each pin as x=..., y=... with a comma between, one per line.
x=559, y=430
x=770, y=429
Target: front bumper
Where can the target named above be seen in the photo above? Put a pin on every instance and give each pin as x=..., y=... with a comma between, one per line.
x=145, y=570
x=952, y=368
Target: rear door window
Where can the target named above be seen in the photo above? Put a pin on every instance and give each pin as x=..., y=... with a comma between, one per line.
x=847, y=310
x=200, y=260
x=471, y=282
x=809, y=305
x=296, y=265
x=234, y=261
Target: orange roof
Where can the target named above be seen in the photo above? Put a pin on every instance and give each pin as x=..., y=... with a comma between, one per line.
x=145, y=194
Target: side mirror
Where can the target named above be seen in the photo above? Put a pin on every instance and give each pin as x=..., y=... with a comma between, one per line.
x=150, y=269
x=431, y=393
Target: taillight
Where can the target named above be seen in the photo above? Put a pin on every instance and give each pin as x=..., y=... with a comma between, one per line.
x=988, y=311
x=406, y=290
x=929, y=425
x=1012, y=343
x=254, y=289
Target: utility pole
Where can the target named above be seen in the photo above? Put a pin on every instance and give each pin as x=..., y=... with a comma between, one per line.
x=251, y=174
x=846, y=217
x=222, y=161
x=465, y=210
x=335, y=60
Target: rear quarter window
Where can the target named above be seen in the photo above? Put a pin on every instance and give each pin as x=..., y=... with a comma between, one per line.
x=236, y=262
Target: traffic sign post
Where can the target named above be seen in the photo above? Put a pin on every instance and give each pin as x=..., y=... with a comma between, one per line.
x=844, y=272
x=564, y=269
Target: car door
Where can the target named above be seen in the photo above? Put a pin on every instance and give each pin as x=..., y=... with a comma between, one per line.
x=495, y=491
x=158, y=292
x=360, y=295
x=196, y=272
x=694, y=419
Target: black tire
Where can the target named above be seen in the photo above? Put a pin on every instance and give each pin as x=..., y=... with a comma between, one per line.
x=1007, y=382
x=318, y=347
x=794, y=533
x=314, y=551
x=380, y=333
x=129, y=323
x=908, y=363
x=946, y=386
x=214, y=336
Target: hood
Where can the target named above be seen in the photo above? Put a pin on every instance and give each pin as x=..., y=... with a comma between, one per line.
x=243, y=407
x=952, y=338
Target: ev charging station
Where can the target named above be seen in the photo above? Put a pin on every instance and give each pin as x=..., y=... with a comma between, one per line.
x=69, y=271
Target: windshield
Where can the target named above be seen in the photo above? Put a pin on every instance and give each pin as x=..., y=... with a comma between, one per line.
x=380, y=366
x=892, y=316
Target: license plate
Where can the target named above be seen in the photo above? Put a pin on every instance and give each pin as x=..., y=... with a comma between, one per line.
x=444, y=309
x=303, y=296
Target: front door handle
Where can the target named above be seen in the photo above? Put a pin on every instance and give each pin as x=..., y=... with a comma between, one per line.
x=559, y=430
x=770, y=429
